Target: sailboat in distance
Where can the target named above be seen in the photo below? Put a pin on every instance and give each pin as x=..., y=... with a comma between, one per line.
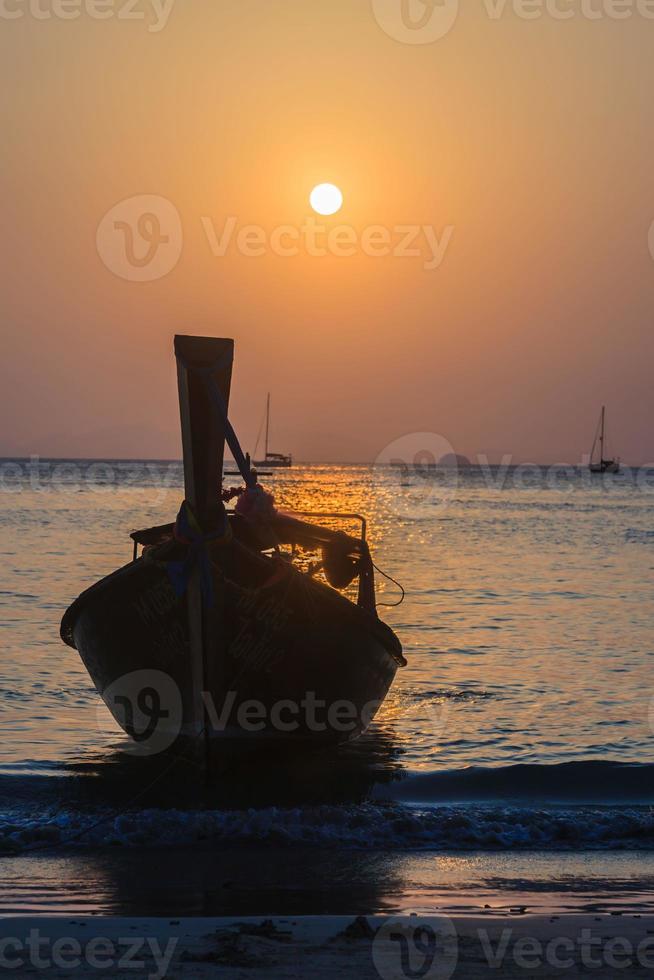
x=270, y=458
x=603, y=465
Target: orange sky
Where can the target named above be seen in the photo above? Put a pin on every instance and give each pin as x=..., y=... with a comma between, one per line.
x=530, y=139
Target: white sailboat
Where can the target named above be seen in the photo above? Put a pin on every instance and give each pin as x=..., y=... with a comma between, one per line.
x=603, y=464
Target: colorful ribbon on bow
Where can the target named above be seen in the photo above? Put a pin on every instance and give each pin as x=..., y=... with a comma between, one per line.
x=188, y=532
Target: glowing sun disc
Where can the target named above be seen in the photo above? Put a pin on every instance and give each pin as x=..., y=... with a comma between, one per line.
x=326, y=199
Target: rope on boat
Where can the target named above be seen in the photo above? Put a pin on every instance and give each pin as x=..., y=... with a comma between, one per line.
x=391, y=579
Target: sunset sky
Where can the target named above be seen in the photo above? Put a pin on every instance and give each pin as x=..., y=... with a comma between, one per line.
x=525, y=146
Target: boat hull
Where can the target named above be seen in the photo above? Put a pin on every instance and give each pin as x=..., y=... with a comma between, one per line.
x=296, y=661
x=608, y=466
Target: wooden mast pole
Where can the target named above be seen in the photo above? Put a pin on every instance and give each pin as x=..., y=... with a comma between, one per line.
x=602, y=437
x=203, y=443
x=267, y=424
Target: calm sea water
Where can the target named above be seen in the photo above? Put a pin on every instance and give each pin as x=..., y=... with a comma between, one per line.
x=521, y=725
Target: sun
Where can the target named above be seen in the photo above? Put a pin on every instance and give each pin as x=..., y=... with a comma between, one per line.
x=326, y=199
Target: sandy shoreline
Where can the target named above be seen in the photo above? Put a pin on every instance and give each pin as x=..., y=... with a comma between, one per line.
x=292, y=948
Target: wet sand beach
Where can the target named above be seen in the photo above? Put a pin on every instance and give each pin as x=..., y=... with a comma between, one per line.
x=290, y=948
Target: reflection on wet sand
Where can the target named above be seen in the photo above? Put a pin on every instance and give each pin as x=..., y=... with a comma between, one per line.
x=251, y=880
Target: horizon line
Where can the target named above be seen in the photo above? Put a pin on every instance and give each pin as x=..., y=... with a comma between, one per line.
x=302, y=462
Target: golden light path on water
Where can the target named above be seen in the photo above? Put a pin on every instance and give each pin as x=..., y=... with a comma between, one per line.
x=520, y=646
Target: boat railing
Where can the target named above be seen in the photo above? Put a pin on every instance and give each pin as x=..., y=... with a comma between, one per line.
x=336, y=516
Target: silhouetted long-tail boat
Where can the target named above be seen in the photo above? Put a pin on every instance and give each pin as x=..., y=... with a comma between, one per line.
x=213, y=630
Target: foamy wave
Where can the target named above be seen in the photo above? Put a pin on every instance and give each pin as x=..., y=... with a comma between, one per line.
x=383, y=826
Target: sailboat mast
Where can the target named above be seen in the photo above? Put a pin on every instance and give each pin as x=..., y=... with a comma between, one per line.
x=267, y=422
x=602, y=436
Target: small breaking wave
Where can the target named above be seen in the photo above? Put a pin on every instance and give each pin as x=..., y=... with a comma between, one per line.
x=372, y=825
x=589, y=782
x=584, y=805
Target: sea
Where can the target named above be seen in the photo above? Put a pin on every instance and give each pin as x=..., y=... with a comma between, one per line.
x=511, y=766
